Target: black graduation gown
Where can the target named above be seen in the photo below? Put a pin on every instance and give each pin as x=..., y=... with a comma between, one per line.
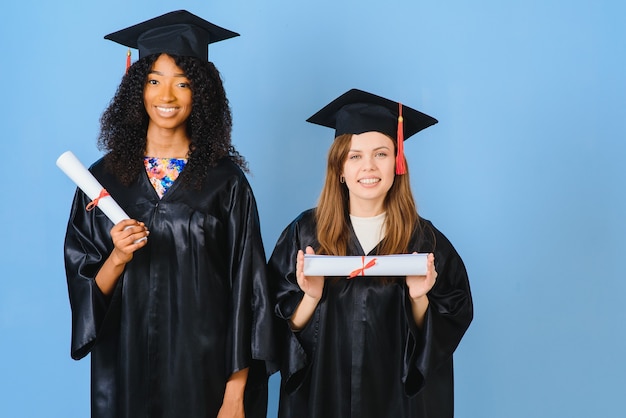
x=361, y=354
x=190, y=308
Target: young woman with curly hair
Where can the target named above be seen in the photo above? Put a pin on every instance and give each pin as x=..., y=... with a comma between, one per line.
x=125, y=122
x=373, y=346
x=172, y=304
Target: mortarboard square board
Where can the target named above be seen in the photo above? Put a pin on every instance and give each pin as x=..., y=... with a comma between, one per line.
x=358, y=111
x=176, y=33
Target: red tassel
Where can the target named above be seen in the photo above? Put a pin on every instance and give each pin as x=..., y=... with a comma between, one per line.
x=400, y=166
x=128, y=60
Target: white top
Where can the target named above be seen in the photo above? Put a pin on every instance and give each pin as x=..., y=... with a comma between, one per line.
x=369, y=231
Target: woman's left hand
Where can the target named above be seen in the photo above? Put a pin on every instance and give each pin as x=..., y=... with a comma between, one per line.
x=231, y=410
x=232, y=404
x=419, y=286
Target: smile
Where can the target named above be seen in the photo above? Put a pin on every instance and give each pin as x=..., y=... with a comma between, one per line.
x=166, y=109
x=369, y=181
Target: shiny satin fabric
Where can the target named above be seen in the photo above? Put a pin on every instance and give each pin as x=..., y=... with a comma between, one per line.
x=191, y=308
x=361, y=355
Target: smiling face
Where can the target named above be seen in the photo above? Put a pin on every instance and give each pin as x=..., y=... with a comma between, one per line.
x=369, y=172
x=167, y=95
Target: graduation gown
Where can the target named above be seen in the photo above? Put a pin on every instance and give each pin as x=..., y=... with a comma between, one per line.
x=190, y=308
x=361, y=355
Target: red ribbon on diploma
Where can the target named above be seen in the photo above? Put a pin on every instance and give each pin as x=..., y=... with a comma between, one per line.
x=361, y=271
x=94, y=203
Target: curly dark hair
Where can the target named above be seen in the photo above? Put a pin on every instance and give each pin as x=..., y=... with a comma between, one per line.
x=124, y=124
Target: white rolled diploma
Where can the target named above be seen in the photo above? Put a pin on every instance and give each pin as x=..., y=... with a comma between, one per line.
x=85, y=181
x=381, y=265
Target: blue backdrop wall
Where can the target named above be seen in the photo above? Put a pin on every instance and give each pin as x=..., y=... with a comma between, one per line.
x=524, y=172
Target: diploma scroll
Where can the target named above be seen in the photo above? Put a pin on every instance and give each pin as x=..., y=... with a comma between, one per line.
x=85, y=181
x=377, y=265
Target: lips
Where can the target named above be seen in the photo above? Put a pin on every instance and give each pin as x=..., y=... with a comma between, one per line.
x=369, y=180
x=166, y=109
x=166, y=112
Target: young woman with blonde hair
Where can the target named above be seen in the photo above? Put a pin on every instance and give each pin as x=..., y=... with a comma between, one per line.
x=368, y=347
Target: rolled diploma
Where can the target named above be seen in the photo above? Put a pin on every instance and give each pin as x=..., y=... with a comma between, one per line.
x=85, y=181
x=385, y=265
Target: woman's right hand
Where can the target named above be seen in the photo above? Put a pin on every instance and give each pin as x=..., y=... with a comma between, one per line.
x=128, y=236
x=312, y=286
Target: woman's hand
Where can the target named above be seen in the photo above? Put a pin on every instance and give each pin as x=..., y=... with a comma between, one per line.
x=312, y=286
x=128, y=236
x=232, y=404
x=419, y=286
x=231, y=410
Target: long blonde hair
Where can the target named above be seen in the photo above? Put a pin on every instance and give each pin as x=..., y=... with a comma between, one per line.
x=332, y=210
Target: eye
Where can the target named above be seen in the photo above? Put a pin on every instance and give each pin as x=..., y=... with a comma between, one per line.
x=354, y=157
x=184, y=85
x=153, y=82
x=381, y=154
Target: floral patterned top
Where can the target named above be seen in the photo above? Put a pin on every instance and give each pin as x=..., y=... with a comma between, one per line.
x=162, y=172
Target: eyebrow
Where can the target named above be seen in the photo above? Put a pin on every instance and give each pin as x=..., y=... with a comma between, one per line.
x=163, y=74
x=375, y=149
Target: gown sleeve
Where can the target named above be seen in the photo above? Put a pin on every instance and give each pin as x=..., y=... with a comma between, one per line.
x=252, y=320
x=449, y=314
x=297, y=346
x=87, y=245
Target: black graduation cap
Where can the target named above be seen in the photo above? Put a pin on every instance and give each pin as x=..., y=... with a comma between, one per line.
x=177, y=33
x=358, y=111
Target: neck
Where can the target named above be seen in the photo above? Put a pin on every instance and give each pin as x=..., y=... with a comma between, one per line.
x=366, y=209
x=166, y=143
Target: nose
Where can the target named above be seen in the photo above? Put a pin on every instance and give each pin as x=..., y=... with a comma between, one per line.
x=166, y=92
x=368, y=163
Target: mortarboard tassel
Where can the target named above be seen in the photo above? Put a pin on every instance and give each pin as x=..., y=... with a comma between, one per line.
x=128, y=60
x=400, y=167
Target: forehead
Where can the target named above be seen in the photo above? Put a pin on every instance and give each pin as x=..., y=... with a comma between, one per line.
x=370, y=140
x=166, y=64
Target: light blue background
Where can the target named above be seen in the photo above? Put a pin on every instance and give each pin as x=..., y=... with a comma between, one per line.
x=524, y=172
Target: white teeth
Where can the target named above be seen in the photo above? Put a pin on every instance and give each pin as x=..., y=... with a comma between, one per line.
x=369, y=181
x=166, y=109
